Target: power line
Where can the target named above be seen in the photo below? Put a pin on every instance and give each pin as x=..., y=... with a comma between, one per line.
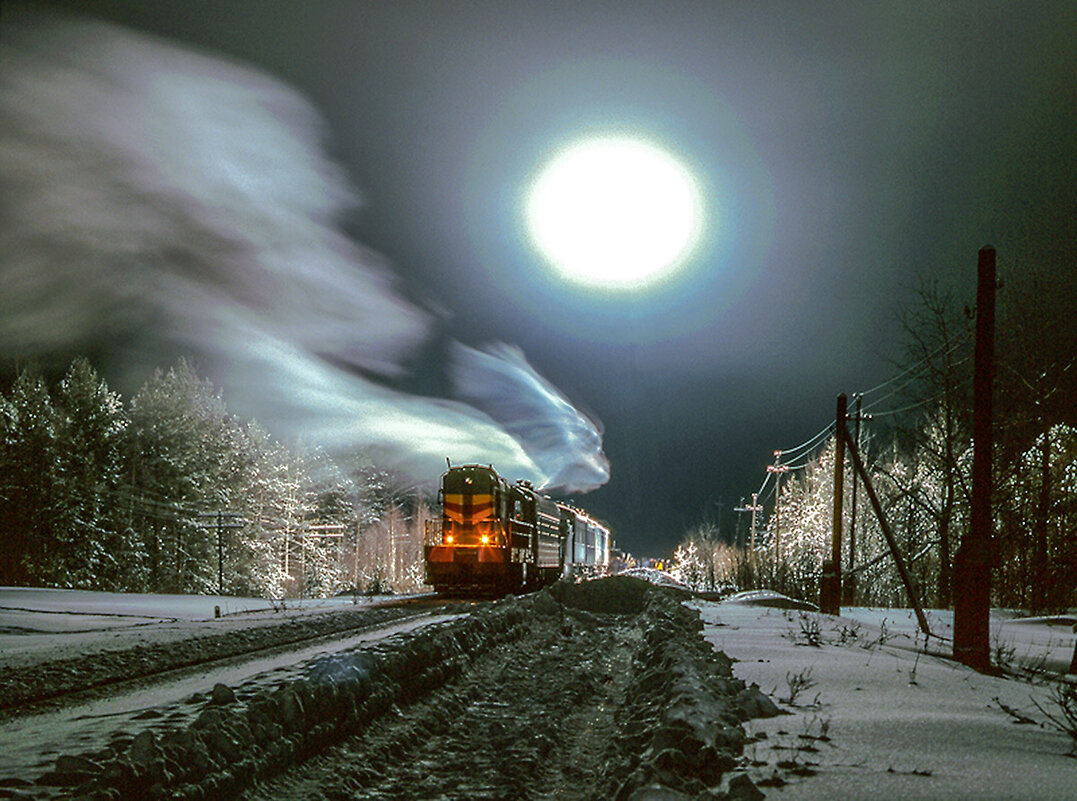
x=763, y=486
x=764, y=498
x=912, y=373
x=908, y=408
x=898, y=389
x=809, y=442
x=912, y=368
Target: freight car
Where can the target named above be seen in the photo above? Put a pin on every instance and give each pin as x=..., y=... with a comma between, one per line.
x=494, y=538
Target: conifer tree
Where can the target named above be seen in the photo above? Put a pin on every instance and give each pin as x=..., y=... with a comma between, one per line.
x=29, y=550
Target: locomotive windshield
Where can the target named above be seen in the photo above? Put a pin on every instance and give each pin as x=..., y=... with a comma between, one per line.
x=471, y=497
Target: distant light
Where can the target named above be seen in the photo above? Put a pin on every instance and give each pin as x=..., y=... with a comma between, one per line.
x=614, y=212
x=485, y=539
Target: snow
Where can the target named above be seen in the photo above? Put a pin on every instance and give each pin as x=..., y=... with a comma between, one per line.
x=900, y=723
x=48, y=625
x=657, y=577
x=883, y=715
x=105, y=605
x=39, y=624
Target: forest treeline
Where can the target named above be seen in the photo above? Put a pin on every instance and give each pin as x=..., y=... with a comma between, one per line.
x=918, y=449
x=169, y=492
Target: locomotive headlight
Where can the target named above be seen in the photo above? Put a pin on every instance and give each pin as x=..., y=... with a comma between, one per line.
x=485, y=539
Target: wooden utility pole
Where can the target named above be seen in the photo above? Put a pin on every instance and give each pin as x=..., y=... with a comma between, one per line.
x=777, y=468
x=335, y=530
x=355, y=566
x=220, y=517
x=972, y=564
x=754, y=508
x=848, y=584
x=830, y=585
x=287, y=540
x=220, y=553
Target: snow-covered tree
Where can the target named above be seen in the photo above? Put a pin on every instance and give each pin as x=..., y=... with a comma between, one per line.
x=1037, y=549
x=177, y=454
x=95, y=548
x=28, y=472
x=688, y=565
x=176, y=494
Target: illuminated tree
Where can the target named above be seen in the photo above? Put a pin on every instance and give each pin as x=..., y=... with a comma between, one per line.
x=95, y=547
x=177, y=451
x=688, y=565
x=28, y=471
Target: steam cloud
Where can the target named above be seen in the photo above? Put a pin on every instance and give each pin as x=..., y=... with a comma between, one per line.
x=159, y=202
x=554, y=433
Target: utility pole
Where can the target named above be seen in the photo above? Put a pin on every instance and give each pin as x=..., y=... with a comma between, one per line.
x=318, y=530
x=754, y=507
x=830, y=585
x=392, y=552
x=848, y=586
x=899, y=563
x=355, y=566
x=220, y=554
x=740, y=510
x=972, y=563
x=777, y=468
x=221, y=526
x=287, y=539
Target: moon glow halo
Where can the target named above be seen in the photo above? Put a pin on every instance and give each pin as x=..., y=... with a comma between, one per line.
x=614, y=212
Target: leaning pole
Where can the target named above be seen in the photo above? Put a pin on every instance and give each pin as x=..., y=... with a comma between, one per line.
x=972, y=563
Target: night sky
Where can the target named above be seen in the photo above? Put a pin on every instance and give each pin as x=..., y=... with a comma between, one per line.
x=845, y=150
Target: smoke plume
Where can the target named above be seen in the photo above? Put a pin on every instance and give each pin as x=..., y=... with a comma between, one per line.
x=502, y=383
x=158, y=202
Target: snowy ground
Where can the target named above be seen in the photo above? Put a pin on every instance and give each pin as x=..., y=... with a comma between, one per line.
x=874, y=713
x=38, y=624
x=882, y=717
x=55, y=642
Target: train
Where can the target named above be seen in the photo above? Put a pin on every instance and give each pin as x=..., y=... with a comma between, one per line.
x=497, y=538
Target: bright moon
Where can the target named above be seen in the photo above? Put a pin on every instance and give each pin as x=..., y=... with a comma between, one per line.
x=614, y=212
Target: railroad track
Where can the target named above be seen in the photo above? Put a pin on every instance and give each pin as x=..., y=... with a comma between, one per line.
x=30, y=689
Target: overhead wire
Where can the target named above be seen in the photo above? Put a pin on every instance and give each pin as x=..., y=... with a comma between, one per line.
x=902, y=386
x=913, y=372
x=909, y=407
x=911, y=368
x=809, y=442
x=764, y=498
x=763, y=486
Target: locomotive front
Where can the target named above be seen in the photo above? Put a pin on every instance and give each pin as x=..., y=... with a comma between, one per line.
x=467, y=549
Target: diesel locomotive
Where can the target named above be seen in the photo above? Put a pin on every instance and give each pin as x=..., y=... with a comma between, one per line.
x=494, y=538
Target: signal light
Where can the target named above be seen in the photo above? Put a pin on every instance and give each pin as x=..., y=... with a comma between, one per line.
x=485, y=539
x=449, y=538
